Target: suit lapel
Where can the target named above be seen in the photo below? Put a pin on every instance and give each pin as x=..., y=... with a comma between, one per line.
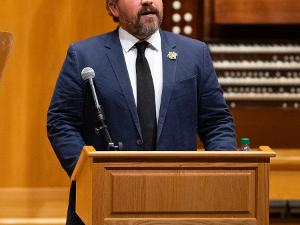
x=116, y=58
x=169, y=69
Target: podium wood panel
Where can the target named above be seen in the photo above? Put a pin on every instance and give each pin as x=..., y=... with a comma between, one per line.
x=167, y=192
x=209, y=188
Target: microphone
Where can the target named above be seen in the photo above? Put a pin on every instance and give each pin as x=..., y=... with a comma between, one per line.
x=88, y=74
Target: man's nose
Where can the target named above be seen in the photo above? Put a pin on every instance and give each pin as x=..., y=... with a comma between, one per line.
x=144, y=2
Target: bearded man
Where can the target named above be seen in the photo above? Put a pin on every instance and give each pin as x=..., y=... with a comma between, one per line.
x=157, y=89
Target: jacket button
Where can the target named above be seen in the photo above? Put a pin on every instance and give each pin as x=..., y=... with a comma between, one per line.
x=139, y=142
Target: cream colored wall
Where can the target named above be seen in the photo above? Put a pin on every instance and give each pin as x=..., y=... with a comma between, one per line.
x=42, y=31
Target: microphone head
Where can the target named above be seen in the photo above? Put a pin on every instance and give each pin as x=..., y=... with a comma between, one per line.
x=87, y=73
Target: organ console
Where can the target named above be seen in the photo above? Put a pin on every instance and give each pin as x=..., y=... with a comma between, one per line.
x=255, y=46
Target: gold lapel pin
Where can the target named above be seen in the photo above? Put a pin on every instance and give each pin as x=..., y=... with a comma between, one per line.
x=172, y=55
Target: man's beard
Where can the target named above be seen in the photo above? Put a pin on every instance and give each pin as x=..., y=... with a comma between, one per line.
x=142, y=27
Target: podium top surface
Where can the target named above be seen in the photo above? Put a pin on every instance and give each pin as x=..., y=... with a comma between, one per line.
x=262, y=152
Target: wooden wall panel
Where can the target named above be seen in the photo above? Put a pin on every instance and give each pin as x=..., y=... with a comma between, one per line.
x=275, y=127
x=33, y=203
x=257, y=11
x=42, y=31
x=28, y=206
x=6, y=40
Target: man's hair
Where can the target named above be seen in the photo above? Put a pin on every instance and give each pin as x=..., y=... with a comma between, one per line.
x=116, y=19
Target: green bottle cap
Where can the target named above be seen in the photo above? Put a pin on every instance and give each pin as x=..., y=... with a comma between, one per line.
x=245, y=141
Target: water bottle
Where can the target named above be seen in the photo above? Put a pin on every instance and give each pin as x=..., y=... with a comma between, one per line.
x=245, y=144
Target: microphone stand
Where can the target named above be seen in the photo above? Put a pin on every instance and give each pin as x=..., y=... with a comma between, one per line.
x=102, y=125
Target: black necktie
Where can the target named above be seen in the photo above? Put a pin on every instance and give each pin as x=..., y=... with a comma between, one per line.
x=145, y=98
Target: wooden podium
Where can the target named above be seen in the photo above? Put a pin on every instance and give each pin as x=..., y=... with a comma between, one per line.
x=173, y=187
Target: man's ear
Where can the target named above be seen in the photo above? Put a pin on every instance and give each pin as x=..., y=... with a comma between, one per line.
x=113, y=8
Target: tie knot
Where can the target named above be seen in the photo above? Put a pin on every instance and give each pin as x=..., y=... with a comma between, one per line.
x=141, y=46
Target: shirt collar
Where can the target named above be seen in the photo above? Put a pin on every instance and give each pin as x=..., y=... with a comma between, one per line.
x=128, y=40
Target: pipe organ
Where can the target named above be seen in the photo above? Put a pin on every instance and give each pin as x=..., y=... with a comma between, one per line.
x=255, y=46
x=262, y=73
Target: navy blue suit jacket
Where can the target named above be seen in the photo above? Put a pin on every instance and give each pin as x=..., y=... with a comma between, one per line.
x=192, y=100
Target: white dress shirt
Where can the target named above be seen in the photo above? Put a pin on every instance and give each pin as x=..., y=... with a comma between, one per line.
x=154, y=58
